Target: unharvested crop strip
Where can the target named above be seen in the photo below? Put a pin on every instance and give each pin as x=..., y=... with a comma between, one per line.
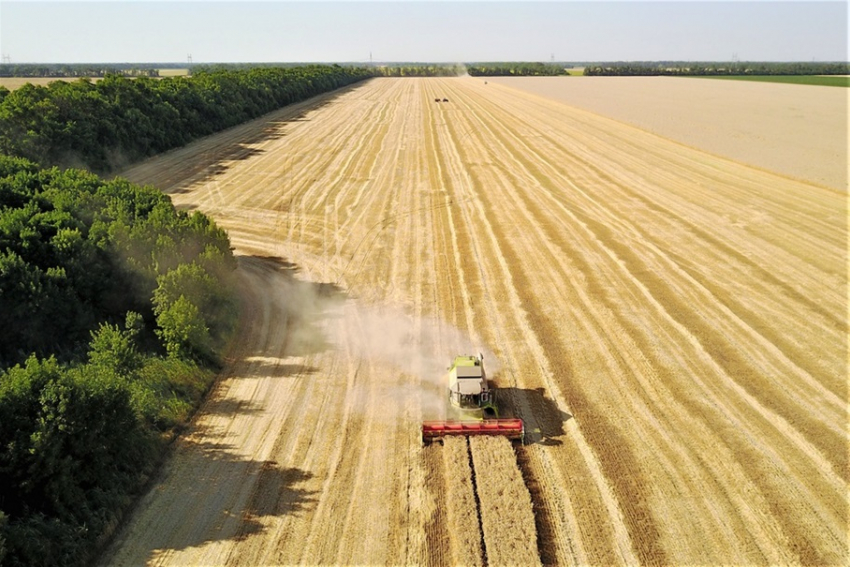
x=542, y=522
x=504, y=504
x=437, y=529
x=461, y=507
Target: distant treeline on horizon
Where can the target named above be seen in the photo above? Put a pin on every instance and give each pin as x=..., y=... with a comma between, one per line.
x=591, y=68
x=705, y=68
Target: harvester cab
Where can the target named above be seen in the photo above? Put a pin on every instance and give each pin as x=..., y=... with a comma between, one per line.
x=469, y=390
x=472, y=397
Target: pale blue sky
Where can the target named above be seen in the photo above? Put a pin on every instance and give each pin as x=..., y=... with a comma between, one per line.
x=324, y=31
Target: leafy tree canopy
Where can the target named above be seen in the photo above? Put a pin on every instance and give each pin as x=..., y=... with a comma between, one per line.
x=107, y=124
x=111, y=303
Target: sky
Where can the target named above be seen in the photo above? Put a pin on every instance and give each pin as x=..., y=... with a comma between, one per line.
x=164, y=31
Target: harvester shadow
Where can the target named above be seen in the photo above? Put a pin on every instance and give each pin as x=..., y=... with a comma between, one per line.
x=544, y=420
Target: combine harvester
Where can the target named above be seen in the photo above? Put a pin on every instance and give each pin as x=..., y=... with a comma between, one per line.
x=473, y=400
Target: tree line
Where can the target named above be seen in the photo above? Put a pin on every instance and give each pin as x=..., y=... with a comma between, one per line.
x=418, y=70
x=114, y=308
x=77, y=70
x=526, y=69
x=716, y=68
x=107, y=124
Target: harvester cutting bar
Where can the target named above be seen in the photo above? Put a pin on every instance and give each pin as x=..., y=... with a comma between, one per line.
x=510, y=428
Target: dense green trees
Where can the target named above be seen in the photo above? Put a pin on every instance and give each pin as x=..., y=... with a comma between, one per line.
x=72, y=245
x=474, y=69
x=106, y=124
x=419, y=70
x=520, y=69
x=111, y=302
x=79, y=70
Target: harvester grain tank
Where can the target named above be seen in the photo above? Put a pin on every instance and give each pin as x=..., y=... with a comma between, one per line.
x=473, y=399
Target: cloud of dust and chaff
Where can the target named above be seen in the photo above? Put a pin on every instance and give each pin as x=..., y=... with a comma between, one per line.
x=413, y=353
x=460, y=70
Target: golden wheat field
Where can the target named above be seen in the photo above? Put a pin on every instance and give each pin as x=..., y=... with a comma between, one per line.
x=670, y=324
x=773, y=126
x=13, y=83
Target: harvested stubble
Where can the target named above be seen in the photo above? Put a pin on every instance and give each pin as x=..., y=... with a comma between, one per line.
x=701, y=302
x=460, y=504
x=507, y=517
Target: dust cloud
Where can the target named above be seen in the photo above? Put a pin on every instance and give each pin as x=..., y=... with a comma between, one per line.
x=461, y=71
x=414, y=353
x=417, y=351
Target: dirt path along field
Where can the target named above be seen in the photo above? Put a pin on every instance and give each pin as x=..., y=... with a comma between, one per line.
x=671, y=325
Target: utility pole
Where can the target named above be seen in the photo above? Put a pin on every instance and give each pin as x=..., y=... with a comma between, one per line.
x=189, y=59
x=7, y=59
